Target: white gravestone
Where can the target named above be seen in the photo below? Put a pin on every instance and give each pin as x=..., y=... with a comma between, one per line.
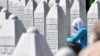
x=66, y=8
x=40, y=17
x=93, y=15
x=15, y=7
x=21, y=10
x=32, y=43
x=3, y=16
x=5, y=13
x=78, y=10
x=4, y=3
x=9, y=35
x=56, y=25
x=10, y=4
x=29, y=14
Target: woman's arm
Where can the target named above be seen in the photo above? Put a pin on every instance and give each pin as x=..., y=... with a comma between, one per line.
x=79, y=35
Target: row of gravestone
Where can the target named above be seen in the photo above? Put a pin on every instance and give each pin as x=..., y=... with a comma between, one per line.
x=10, y=30
x=13, y=34
x=28, y=11
x=53, y=20
x=53, y=23
x=26, y=8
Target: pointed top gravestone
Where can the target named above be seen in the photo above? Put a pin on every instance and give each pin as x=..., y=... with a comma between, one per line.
x=21, y=10
x=32, y=43
x=30, y=5
x=94, y=9
x=75, y=7
x=14, y=7
x=40, y=17
x=43, y=6
x=4, y=14
x=65, y=4
x=56, y=28
x=29, y=14
x=93, y=15
x=9, y=35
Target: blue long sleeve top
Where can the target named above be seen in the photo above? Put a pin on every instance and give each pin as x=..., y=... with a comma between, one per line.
x=81, y=36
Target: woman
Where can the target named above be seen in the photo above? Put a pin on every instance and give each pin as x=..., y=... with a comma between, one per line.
x=81, y=34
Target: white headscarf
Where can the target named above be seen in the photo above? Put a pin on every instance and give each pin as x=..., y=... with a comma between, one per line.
x=65, y=51
x=78, y=23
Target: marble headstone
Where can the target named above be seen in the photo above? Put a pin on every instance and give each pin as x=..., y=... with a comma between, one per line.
x=3, y=16
x=29, y=13
x=47, y=1
x=10, y=4
x=14, y=8
x=40, y=17
x=56, y=25
x=93, y=15
x=9, y=35
x=21, y=10
x=4, y=3
x=5, y=13
x=32, y=43
x=65, y=4
x=77, y=10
